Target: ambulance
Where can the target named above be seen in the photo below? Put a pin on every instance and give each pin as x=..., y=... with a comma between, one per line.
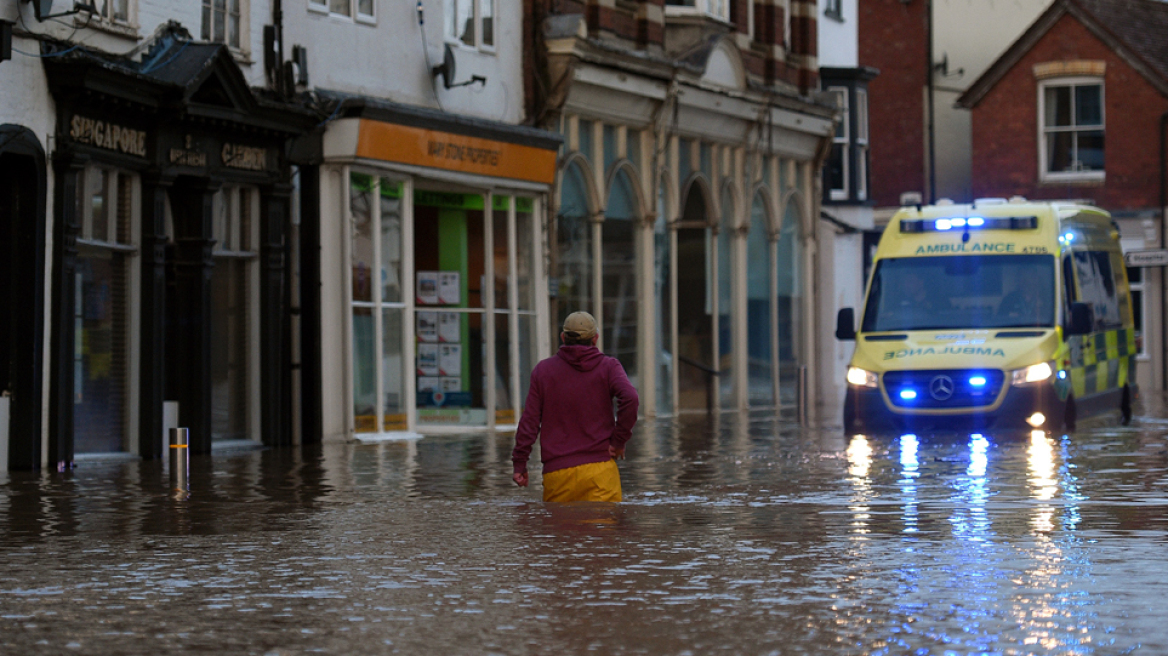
x=1006, y=314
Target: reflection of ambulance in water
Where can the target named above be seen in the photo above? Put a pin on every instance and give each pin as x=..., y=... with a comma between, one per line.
x=1000, y=313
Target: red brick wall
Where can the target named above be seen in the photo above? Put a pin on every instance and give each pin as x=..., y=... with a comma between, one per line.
x=1005, y=128
x=892, y=39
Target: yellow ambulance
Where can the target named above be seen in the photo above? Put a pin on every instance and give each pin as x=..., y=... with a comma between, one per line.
x=996, y=314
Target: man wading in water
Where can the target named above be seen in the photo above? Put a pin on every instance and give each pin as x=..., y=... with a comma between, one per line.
x=569, y=409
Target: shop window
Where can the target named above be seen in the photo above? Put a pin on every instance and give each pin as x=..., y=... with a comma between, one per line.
x=221, y=21
x=619, y=275
x=726, y=263
x=1072, y=119
x=234, y=319
x=102, y=310
x=790, y=300
x=663, y=295
x=760, y=370
x=470, y=22
x=377, y=304
x=572, y=266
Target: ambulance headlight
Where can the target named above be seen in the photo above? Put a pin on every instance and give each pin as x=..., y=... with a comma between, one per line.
x=1035, y=373
x=861, y=377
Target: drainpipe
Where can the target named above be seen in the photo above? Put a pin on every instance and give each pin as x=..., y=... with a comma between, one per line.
x=929, y=72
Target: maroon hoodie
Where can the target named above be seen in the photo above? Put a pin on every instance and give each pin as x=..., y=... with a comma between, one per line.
x=569, y=408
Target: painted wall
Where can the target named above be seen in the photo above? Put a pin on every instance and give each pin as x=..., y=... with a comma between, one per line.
x=391, y=60
x=838, y=45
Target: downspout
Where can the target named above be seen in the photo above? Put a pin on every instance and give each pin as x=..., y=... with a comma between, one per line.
x=932, y=137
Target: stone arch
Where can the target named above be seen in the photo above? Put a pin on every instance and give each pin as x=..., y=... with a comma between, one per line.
x=624, y=169
x=700, y=184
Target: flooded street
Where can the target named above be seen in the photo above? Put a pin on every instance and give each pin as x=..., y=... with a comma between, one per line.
x=744, y=536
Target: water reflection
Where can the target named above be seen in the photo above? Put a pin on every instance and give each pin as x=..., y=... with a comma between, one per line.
x=740, y=535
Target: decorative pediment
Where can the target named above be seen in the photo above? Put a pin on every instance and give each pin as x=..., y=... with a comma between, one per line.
x=724, y=67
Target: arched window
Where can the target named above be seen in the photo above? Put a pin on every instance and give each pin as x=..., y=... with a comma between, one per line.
x=726, y=299
x=790, y=299
x=760, y=368
x=572, y=263
x=695, y=338
x=662, y=247
x=619, y=274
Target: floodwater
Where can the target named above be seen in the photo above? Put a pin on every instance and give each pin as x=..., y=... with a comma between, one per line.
x=742, y=536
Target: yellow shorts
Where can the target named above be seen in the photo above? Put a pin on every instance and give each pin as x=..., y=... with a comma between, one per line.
x=595, y=481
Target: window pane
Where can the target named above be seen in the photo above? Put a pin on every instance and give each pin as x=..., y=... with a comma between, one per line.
x=662, y=244
x=1058, y=106
x=121, y=10
x=790, y=299
x=1090, y=150
x=487, y=11
x=861, y=115
x=229, y=349
x=758, y=307
x=450, y=13
x=619, y=334
x=1058, y=152
x=584, y=135
x=365, y=7
x=465, y=24
x=364, y=371
x=726, y=304
x=391, y=241
x=527, y=354
x=339, y=7
x=1089, y=105
x=610, y=153
x=573, y=270
x=505, y=406
x=100, y=365
x=393, y=372
x=362, y=236
x=99, y=202
x=206, y=33
x=501, y=259
x=525, y=252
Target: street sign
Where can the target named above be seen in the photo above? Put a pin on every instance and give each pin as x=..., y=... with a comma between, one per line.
x=1146, y=258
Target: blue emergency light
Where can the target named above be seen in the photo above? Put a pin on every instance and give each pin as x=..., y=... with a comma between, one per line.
x=967, y=223
x=908, y=394
x=977, y=381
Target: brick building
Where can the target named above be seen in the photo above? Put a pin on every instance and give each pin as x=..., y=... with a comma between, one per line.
x=1077, y=108
x=687, y=189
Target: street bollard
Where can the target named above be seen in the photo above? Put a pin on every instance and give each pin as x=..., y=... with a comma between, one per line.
x=801, y=396
x=179, y=459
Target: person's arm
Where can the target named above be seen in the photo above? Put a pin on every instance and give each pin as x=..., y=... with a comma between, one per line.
x=527, y=431
x=627, y=403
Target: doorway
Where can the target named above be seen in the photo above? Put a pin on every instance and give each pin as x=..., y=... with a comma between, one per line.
x=22, y=245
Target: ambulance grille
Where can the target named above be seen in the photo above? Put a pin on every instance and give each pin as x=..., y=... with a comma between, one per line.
x=944, y=388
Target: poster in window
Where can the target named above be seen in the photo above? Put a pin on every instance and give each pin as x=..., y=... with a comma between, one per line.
x=429, y=384
x=449, y=288
x=448, y=327
x=451, y=383
x=427, y=359
x=427, y=287
x=449, y=359
x=428, y=327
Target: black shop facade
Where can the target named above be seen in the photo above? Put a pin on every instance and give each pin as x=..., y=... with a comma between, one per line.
x=170, y=283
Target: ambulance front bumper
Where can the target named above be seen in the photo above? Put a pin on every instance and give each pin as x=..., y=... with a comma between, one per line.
x=867, y=410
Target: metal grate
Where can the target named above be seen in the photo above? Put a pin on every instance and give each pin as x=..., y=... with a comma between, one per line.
x=943, y=388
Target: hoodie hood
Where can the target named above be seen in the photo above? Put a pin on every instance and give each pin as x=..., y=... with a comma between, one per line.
x=582, y=358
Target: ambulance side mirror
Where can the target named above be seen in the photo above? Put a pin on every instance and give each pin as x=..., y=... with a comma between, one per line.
x=845, y=324
x=1081, y=319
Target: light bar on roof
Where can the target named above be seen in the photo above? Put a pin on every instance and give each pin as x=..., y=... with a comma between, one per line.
x=961, y=223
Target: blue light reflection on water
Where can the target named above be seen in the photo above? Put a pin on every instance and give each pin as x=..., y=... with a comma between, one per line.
x=910, y=470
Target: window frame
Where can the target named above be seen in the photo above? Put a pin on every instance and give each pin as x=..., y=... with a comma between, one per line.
x=861, y=114
x=1045, y=175
x=353, y=14
x=701, y=7
x=834, y=9
x=843, y=140
x=242, y=25
x=477, y=11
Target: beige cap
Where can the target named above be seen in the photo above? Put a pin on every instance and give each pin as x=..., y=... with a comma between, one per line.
x=580, y=323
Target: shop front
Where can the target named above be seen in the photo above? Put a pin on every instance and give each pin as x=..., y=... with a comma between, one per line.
x=169, y=277
x=433, y=305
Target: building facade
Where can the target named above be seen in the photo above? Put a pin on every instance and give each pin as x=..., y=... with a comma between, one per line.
x=145, y=208
x=687, y=188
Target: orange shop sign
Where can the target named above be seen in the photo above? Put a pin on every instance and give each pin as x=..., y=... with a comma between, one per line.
x=455, y=152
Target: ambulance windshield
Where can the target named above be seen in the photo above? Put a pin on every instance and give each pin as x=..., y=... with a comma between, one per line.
x=964, y=291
